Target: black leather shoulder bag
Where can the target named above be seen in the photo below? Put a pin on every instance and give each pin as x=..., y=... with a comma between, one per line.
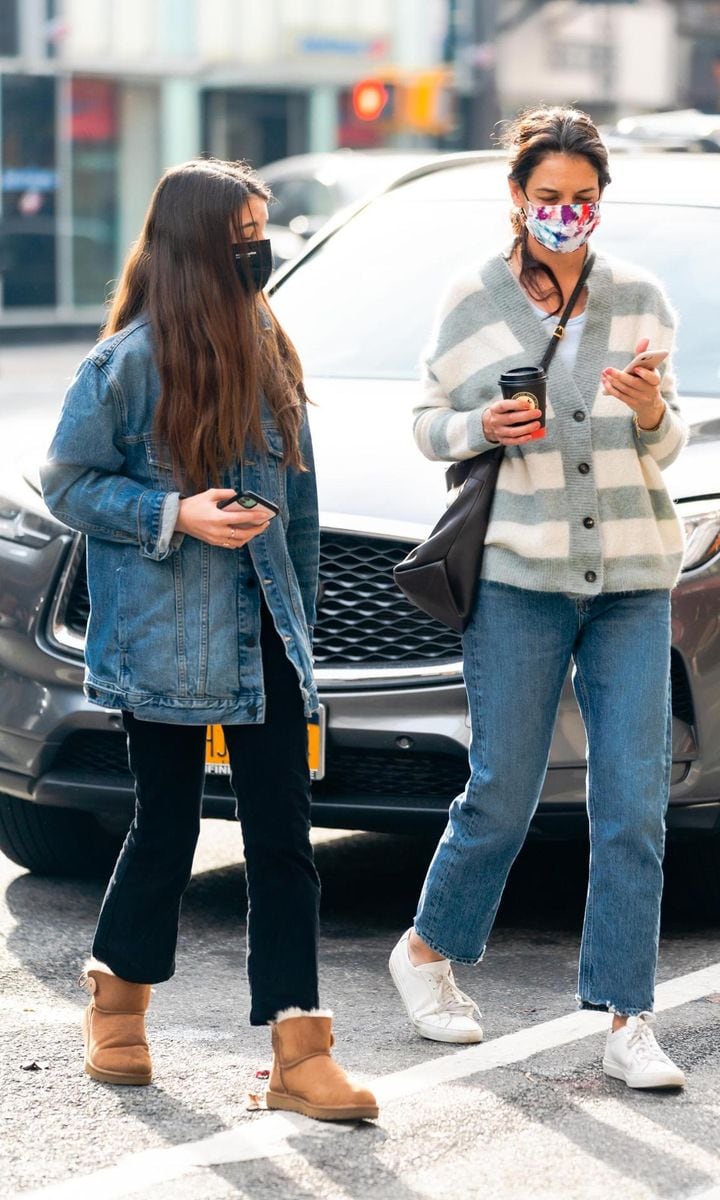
x=441, y=575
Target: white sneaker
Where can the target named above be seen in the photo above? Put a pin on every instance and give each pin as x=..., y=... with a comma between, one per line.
x=434, y=1002
x=632, y=1054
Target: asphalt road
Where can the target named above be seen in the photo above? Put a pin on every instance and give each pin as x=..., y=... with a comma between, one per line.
x=529, y=1114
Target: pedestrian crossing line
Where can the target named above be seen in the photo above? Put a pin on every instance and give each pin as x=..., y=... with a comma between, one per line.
x=264, y=1137
x=272, y=1134
x=613, y=1114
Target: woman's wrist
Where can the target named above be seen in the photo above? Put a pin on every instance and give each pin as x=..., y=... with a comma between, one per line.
x=651, y=419
x=179, y=527
x=493, y=441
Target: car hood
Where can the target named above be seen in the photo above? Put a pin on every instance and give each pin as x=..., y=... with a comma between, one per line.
x=370, y=471
x=372, y=476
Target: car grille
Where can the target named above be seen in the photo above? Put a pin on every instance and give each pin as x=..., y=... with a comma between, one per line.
x=682, y=702
x=99, y=752
x=351, y=774
x=395, y=775
x=363, y=619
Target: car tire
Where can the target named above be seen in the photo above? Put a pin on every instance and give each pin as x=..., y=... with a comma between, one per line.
x=692, y=878
x=56, y=841
x=703, y=869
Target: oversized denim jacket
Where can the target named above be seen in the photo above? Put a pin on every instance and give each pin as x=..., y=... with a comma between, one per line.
x=174, y=630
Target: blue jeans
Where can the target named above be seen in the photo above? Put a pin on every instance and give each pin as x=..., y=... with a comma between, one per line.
x=517, y=651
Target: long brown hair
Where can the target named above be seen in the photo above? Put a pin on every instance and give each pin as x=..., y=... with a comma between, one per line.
x=528, y=140
x=218, y=346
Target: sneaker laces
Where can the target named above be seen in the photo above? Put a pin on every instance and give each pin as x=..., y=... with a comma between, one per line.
x=642, y=1039
x=451, y=999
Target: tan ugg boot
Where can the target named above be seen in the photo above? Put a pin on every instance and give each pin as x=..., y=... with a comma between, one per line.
x=305, y=1079
x=116, y=1049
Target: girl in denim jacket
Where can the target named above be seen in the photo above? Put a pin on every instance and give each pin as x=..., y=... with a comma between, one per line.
x=202, y=614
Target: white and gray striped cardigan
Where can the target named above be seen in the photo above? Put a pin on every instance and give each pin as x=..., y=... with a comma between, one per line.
x=539, y=535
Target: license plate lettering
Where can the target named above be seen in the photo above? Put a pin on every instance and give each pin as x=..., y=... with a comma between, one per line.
x=217, y=759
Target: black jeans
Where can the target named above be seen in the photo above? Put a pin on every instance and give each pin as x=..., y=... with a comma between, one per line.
x=137, y=930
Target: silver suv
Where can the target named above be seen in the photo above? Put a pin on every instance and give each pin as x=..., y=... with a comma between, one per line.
x=359, y=304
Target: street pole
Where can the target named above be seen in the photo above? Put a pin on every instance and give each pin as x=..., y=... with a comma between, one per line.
x=483, y=108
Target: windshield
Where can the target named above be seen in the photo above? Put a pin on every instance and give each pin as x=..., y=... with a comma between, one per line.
x=362, y=305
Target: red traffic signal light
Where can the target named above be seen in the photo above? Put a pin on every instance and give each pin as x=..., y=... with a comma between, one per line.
x=370, y=99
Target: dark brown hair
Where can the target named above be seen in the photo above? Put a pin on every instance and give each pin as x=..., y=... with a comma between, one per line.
x=218, y=346
x=528, y=140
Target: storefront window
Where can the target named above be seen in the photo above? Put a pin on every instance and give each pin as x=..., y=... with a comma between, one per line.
x=94, y=140
x=28, y=217
x=258, y=126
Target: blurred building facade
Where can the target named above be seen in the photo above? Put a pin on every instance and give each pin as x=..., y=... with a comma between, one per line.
x=97, y=97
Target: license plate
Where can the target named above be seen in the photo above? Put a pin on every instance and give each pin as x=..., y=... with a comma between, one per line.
x=217, y=760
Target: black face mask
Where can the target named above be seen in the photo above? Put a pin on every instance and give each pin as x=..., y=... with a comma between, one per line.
x=253, y=263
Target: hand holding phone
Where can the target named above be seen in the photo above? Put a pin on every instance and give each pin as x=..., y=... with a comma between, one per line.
x=205, y=516
x=649, y=359
x=249, y=500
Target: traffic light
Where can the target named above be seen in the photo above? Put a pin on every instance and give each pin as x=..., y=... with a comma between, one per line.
x=406, y=101
x=373, y=99
x=429, y=101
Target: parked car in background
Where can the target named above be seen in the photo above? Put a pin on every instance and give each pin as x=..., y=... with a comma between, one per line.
x=310, y=188
x=359, y=304
x=684, y=129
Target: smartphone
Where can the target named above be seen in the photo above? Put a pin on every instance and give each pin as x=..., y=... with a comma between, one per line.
x=648, y=359
x=249, y=500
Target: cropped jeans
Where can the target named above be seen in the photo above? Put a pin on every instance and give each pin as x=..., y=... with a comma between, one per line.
x=517, y=649
x=137, y=929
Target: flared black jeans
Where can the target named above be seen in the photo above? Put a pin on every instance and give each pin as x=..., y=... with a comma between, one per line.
x=137, y=930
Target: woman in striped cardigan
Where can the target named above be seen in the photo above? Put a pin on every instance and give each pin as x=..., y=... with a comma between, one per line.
x=582, y=550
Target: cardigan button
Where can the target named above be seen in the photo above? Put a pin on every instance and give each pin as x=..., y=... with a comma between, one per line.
x=584, y=468
x=588, y=522
x=590, y=576
x=579, y=415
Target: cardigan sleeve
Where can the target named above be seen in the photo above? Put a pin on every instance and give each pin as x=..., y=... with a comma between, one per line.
x=443, y=431
x=666, y=442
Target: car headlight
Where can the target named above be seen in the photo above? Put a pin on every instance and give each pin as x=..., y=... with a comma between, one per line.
x=701, y=519
x=24, y=527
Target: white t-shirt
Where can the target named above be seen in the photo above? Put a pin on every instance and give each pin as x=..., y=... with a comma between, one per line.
x=568, y=348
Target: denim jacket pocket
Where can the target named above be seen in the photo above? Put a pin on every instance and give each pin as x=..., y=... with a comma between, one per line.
x=273, y=472
x=160, y=466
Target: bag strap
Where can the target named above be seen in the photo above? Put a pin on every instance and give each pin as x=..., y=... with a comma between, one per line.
x=559, y=330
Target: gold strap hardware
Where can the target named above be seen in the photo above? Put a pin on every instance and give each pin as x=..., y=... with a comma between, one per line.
x=559, y=331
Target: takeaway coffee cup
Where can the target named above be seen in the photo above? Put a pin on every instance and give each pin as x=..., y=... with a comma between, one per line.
x=528, y=384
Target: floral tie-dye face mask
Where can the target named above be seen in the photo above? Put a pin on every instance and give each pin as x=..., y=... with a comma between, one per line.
x=562, y=227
